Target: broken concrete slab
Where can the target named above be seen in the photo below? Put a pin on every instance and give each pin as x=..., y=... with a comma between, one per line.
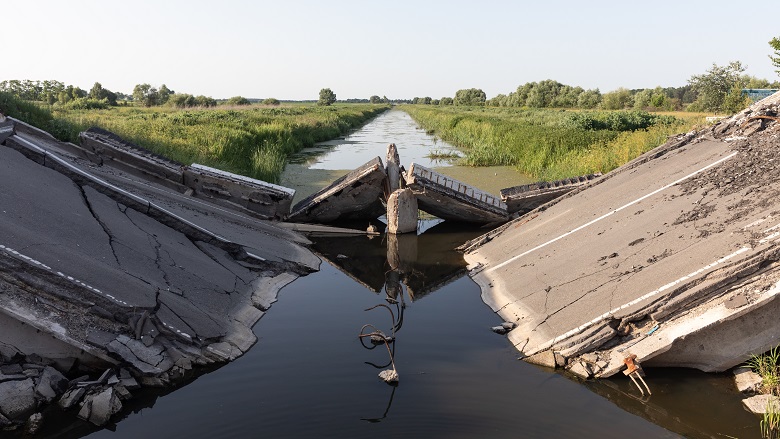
x=126, y=155
x=527, y=197
x=100, y=407
x=393, y=170
x=761, y=404
x=452, y=200
x=269, y=201
x=17, y=399
x=51, y=384
x=746, y=380
x=355, y=196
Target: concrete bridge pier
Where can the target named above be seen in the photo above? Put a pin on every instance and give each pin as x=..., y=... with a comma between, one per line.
x=401, y=202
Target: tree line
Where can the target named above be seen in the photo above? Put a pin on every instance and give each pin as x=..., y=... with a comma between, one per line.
x=54, y=92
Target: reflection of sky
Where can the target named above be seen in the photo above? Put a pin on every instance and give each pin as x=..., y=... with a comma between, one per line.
x=394, y=126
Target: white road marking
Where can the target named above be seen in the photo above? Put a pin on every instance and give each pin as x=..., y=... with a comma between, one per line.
x=510, y=260
x=655, y=292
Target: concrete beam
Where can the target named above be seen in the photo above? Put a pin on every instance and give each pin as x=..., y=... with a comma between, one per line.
x=356, y=195
x=452, y=200
x=111, y=147
x=267, y=200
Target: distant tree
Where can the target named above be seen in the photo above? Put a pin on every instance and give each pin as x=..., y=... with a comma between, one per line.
x=98, y=93
x=145, y=95
x=271, y=101
x=375, y=99
x=589, y=98
x=238, y=100
x=714, y=85
x=617, y=100
x=182, y=100
x=775, y=44
x=163, y=94
x=327, y=97
x=446, y=101
x=205, y=101
x=470, y=96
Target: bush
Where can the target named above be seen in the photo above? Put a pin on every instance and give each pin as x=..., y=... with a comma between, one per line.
x=271, y=101
x=238, y=100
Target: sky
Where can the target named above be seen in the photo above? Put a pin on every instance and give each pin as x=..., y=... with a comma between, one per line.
x=290, y=49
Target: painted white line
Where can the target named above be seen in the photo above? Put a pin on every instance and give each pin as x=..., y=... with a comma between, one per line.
x=59, y=273
x=510, y=260
x=655, y=292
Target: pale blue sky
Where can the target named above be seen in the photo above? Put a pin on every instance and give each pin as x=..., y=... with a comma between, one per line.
x=291, y=49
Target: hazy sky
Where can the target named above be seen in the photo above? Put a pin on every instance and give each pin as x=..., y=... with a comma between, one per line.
x=291, y=49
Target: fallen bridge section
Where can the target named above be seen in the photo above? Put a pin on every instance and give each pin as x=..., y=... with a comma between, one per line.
x=452, y=200
x=672, y=258
x=355, y=196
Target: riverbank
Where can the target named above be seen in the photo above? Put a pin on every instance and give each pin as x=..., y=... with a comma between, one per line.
x=550, y=144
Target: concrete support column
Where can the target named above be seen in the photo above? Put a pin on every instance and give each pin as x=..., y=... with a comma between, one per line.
x=393, y=169
x=402, y=212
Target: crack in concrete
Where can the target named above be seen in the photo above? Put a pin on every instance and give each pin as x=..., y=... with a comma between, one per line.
x=105, y=228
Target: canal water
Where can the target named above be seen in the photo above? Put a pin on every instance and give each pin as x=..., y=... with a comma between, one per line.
x=310, y=375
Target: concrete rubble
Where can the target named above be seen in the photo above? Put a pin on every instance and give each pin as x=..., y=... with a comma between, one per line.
x=673, y=257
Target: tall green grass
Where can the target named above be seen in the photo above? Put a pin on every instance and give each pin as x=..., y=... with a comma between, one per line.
x=254, y=141
x=549, y=144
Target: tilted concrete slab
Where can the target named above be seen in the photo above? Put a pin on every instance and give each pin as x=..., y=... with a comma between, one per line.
x=356, y=195
x=649, y=257
x=268, y=200
x=111, y=147
x=6, y=128
x=452, y=200
x=527, y=197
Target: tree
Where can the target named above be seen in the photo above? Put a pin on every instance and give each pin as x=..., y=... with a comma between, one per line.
x=271, y=101
x=375, y=99
x=714, y=85
x=327, y=97
x=445, y=101
x=145, y=95
x=775, y=44
x=617, y=100
x=589, y=98
x=470, y=96
x=238, y=100
x=163, y=94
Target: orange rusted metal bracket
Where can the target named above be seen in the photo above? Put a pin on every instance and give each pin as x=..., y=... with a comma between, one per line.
x=633, y=371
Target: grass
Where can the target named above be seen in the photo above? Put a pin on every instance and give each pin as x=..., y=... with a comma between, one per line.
x=766, y=366
x=255, y=141
x=550, y=144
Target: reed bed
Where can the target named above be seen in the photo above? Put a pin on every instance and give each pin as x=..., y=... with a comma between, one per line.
x=550, y=144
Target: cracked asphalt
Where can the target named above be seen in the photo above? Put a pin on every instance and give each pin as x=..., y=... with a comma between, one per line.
x=144, y=283
x=586, y=265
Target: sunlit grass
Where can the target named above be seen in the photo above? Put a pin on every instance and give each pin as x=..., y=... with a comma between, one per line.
x=254, y=141
x=550, y=144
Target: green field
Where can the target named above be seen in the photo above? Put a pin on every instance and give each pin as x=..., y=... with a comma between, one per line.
x=550, y=144
x=254, y=141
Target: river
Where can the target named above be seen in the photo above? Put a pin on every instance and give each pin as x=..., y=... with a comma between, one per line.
x=310, y=375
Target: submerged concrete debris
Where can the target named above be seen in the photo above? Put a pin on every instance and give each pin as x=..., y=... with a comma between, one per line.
x=672, y=257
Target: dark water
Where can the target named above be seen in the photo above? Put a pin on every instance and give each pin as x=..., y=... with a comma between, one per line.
x=310, y=376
